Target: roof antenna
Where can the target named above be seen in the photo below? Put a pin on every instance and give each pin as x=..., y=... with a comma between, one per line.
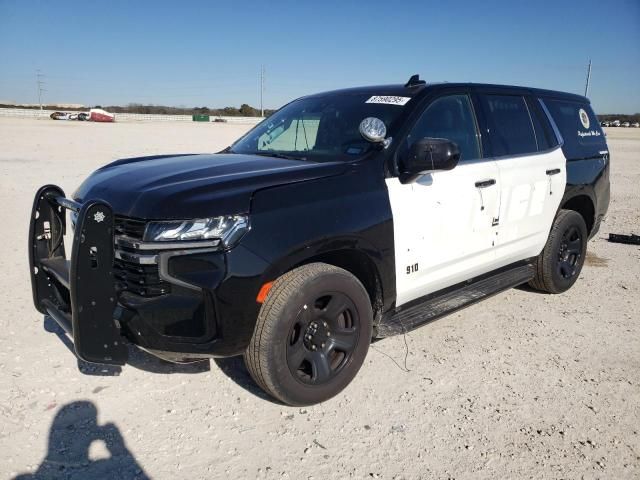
x=414, y=81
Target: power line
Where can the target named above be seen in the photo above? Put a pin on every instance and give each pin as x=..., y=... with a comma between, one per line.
x=40, y=82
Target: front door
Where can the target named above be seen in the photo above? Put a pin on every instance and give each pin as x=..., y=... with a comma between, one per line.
x=444, y=223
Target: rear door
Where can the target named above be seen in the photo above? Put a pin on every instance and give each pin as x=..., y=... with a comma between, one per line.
x=444, y=221
x=532, y=174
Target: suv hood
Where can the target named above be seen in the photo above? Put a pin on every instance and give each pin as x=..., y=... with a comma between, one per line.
x=193, y=186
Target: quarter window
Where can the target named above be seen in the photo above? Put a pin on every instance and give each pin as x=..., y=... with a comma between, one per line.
x=580, y=129
x=511, y=129
x=449, y=117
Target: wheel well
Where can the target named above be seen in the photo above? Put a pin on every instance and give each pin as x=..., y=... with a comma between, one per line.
x=361, y=267
x=584, y=206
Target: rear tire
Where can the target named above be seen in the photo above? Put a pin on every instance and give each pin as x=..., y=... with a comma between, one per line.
x=312, y=335
x=561, y=260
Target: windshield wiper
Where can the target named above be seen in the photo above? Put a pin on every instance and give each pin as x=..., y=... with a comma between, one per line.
x=278, y=155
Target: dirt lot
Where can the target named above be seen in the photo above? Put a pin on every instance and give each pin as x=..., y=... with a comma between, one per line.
x=523, y=385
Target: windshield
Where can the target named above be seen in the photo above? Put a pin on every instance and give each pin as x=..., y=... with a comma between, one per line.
x=322, y=128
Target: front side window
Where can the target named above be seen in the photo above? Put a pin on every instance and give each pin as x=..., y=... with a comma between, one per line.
x=511, y=130
x=449, y=117
x=321, y=128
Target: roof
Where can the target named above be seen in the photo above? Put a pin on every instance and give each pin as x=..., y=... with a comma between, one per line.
x=395, y=90
x=423, y=89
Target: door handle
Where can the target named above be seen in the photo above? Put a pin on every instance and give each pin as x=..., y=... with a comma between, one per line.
x=485, y=183
x=553, y=171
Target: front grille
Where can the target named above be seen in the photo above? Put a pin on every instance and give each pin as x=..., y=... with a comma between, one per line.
x=142, y=280
x=130, y=227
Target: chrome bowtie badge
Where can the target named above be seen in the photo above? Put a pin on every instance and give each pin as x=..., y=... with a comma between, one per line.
x=99, y=217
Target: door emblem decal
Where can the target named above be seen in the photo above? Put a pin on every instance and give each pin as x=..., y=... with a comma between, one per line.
x=584, y=118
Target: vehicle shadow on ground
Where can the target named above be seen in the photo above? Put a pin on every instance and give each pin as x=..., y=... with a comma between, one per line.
x=74, y=428
x=137, y=358
x=234, y=368
x=525, y=287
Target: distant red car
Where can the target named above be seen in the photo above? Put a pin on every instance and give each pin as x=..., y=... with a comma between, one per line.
x=99, y=115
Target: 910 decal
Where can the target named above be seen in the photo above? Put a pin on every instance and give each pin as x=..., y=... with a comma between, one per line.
x=412, y=268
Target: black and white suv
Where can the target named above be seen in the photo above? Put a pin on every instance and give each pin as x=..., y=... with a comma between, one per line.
x=344, y=216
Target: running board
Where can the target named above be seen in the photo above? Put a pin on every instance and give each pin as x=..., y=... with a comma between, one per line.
x=451, y=300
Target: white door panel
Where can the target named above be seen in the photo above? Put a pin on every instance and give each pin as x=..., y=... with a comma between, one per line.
x=443, y=228
x=529, y=201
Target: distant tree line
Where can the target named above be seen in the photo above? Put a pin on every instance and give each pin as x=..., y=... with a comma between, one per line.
x=245, y=110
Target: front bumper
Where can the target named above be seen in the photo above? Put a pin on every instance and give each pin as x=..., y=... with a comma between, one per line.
x=179, y=302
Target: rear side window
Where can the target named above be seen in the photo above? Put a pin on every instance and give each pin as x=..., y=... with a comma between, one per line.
x=511, y=130
x=544, y=134
x=579, y=127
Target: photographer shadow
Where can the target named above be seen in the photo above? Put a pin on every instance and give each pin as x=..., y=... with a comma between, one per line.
x=75, y=427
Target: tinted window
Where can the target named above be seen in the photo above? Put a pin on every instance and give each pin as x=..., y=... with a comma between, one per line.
x=579, y=127
x=511, y=129
x=449, y=117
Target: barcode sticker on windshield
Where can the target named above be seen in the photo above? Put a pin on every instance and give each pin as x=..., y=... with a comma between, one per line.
x=388, y=100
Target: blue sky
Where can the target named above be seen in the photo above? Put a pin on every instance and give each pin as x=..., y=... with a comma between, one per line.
x=196, y=53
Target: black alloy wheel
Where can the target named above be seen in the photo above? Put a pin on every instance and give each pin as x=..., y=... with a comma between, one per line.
x=570, y=252
x=323, y=338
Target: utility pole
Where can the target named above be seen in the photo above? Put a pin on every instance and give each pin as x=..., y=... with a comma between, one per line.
x=262, y=91
x=586, y=87
x=40, y=83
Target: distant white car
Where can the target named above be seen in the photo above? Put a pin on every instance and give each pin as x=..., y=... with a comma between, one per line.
x=59, y=116
x=625, y=124
x=636, y=125
x=615, y=123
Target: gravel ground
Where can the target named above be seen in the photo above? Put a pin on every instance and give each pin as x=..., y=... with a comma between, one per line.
x=523, y=385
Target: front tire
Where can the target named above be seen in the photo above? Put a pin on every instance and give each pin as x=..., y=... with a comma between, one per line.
x=312, y=335
x=561, y=260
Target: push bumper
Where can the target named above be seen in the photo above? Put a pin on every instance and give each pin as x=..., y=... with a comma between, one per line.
x=78, y=293
x=198, y=303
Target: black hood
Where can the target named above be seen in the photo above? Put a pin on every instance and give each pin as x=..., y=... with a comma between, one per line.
x=193, y=186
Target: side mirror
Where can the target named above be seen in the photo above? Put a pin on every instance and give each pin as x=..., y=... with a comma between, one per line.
x=429, y=155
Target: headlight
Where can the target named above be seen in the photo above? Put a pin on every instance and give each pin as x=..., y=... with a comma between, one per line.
x=229, y=229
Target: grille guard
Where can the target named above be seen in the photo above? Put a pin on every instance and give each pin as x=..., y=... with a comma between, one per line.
x=78, y=293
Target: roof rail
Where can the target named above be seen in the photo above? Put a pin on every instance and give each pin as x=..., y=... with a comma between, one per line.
x=414, y=81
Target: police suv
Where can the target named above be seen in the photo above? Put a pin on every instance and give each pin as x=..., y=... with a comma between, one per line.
x=343, y=217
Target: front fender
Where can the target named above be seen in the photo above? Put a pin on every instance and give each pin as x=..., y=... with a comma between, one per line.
x=293, y=223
